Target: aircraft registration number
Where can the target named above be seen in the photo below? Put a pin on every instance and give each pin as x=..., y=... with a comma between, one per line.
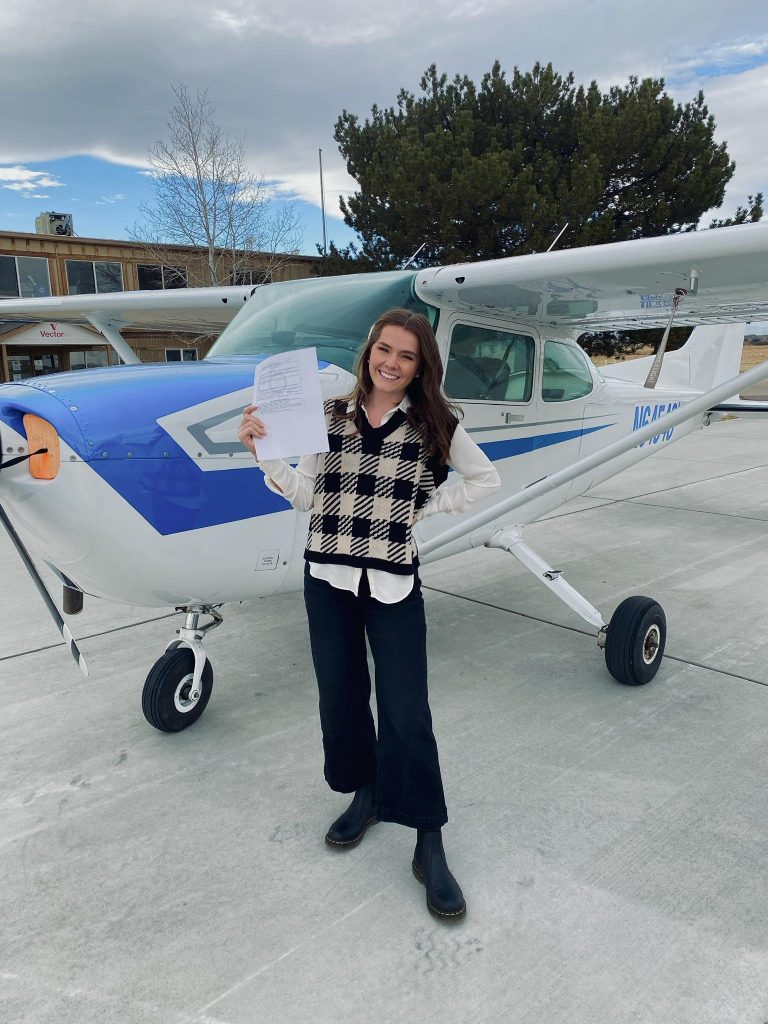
x=645, y=414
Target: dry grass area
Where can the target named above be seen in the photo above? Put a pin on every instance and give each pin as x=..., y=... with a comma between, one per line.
x=646, y=350
x=751, y=355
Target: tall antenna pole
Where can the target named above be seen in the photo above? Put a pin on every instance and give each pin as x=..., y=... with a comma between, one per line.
x=322, y=201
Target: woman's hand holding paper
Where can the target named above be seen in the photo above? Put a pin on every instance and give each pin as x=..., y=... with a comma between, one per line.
x=251, y=429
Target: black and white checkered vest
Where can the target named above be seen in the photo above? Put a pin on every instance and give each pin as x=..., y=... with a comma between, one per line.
x=369, y=487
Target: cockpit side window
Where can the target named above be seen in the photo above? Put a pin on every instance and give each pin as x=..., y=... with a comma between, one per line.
x=495, y=366
x=566, y=375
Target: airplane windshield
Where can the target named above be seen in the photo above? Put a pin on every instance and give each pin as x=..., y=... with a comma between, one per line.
x=333, y=314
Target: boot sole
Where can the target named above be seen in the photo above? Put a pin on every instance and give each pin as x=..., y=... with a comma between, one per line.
x=444, y=915
x=347, y=844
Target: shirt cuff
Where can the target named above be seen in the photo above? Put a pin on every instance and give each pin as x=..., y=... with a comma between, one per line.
x=277, y=475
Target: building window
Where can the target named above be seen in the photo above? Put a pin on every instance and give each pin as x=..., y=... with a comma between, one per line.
x=180, y=355
x=87, y=277
x=20, y=367
x=24, y=277
x=251, y=277
x=153, y=277
x=23, y=364
x=88, y=358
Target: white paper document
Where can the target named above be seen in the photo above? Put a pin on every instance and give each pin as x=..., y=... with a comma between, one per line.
x=286, y=389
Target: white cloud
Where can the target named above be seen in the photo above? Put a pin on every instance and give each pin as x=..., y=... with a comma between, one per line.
x=306, y=186
x=281, y=75
x=739, y=103
x=723, y=57
x=23, y=179
x=108, y=200
x=336, y=23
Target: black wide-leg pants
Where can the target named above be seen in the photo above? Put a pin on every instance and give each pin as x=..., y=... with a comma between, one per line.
x=403, y=758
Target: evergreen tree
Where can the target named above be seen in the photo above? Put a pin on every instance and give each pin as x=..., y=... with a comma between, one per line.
x=496, y=170
x=347, y=260
x=752, y=212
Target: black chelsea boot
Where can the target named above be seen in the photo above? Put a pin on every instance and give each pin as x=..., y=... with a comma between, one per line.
x=444, y=896
x=350, y=827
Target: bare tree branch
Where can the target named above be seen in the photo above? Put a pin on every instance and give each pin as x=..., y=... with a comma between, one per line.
x=205, y=196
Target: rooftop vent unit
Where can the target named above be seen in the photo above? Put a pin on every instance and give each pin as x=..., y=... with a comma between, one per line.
x=54, y=224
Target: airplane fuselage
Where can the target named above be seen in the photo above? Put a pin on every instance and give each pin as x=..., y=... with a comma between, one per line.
x=155, y=502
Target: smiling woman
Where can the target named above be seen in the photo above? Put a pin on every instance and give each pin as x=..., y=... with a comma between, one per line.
x=391, y=443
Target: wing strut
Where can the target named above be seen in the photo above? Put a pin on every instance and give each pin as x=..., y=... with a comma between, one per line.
x=655, y=370
x=697, y=406
x=115, y=339
x=61, y=625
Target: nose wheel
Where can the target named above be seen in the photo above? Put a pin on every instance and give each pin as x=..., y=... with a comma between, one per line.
x=171, y=700
x=179, y=684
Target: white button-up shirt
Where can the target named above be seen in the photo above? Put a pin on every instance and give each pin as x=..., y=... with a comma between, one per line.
x=478, y=480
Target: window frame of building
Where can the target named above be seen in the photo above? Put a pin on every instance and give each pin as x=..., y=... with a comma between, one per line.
x=250, y=277
x=185, y=355
x=20, y=293
x=94, y=277
x=40, y=362
x=93, y=358
x=167, y=273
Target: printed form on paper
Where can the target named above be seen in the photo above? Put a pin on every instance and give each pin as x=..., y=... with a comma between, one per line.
x=286, y=389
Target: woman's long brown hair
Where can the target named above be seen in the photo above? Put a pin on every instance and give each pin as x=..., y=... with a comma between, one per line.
x=430, y=412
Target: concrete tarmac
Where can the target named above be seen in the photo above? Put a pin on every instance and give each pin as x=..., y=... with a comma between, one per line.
x=610, y=840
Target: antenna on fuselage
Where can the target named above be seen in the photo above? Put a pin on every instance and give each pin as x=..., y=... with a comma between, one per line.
x=562, y=229
x=414, y=256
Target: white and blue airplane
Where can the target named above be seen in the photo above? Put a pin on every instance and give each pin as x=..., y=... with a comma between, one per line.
x=130, y=484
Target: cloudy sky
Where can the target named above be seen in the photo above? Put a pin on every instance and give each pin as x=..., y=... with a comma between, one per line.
x=91, y=83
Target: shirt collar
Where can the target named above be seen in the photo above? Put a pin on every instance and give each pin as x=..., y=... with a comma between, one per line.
x=404, y=406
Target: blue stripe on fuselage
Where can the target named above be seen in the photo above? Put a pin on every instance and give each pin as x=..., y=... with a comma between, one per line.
x=496, y=450
x=174, y=496
x=109, y=418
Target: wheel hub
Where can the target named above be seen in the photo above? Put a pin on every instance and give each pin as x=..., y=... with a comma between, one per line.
x=651, y=643
x=185, y=698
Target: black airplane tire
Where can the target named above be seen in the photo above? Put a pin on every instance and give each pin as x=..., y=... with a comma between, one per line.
x=166, y=700
x=635, y=641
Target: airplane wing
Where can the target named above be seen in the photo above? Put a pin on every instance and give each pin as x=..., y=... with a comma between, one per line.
x=197, y=310
x=621, y=285
x=599, y=287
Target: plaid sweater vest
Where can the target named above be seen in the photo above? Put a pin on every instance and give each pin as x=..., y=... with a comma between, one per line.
x=368, y=489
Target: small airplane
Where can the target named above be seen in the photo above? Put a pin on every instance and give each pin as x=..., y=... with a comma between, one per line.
x=130, y=484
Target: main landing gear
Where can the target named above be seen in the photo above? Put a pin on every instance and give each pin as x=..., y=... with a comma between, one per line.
x=179, y=684
x=633, y=640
